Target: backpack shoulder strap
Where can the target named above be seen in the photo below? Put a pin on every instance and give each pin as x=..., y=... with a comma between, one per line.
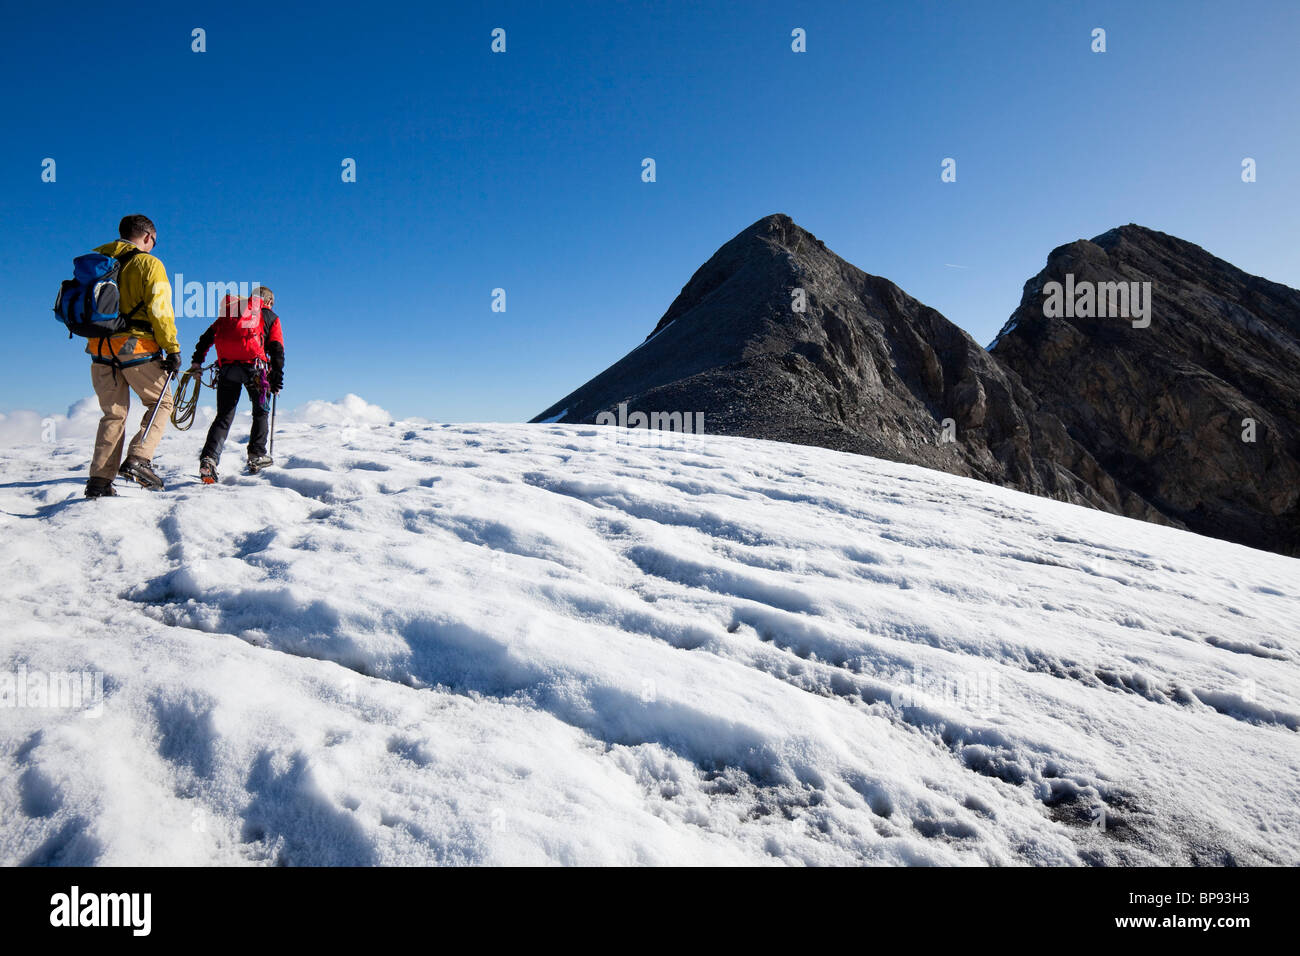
x=122, y=260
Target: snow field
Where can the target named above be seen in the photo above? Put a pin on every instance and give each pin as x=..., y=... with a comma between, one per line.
x=413, y=643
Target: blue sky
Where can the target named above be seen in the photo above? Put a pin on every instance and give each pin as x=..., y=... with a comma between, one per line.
x=522, y=170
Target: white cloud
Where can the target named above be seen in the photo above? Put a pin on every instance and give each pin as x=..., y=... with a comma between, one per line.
x=350, y=410
x=25, y=426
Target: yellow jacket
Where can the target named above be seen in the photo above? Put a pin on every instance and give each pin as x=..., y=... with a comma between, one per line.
x=153, y=327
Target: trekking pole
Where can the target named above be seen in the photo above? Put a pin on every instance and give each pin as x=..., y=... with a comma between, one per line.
x=271, y=450
x=166, y=383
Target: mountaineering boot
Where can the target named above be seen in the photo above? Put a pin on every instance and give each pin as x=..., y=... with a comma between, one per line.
x=100, y=488
x=257, y=462
x=137, y=469
x=207, y=471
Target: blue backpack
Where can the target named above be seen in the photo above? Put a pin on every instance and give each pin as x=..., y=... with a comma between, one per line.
x=88, y=304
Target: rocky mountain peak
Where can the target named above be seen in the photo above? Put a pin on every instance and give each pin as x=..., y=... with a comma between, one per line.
x=1140, y=375
x=1196, y=406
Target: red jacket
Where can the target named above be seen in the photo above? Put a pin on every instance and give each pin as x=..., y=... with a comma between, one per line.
x=248, y=331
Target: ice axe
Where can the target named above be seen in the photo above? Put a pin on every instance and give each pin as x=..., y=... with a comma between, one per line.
x=271, y=450
x=166, y=384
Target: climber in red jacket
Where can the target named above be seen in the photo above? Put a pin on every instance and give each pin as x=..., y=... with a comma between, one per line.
x=250, y=355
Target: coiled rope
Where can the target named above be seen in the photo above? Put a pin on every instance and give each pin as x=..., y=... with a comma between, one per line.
x=186, y=403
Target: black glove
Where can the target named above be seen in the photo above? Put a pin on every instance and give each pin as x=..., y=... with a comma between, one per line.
x=276, y=379
x=171, y=363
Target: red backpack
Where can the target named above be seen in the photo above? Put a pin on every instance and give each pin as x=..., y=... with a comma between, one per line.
x=241, y=331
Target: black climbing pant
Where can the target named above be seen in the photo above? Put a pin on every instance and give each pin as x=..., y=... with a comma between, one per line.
x=232, y=379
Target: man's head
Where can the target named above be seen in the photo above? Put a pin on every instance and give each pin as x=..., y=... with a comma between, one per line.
x=266, y=295
x=139, y=230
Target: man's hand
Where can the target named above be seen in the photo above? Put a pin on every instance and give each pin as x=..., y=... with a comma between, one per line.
x=171, y=363
x=276, y=379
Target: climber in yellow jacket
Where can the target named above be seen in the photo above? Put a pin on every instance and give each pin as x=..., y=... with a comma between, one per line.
x=140, y=359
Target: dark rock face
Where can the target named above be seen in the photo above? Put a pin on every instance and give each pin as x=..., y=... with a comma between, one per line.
x=1146, y=422
x=1161, y=408
x=864, y=368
